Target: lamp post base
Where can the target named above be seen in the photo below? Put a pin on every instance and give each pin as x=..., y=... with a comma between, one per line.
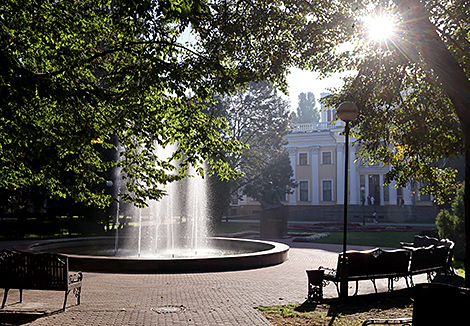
x=343, y=285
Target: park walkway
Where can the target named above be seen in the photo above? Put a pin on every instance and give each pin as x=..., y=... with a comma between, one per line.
x=220, y=298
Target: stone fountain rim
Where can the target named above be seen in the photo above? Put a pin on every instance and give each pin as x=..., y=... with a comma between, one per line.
x=276, y=247
x=275, y=253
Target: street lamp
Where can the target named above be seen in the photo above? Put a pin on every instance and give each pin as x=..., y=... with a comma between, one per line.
x=347, y=111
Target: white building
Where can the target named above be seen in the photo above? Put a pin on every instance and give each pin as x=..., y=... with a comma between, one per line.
x=316, y=152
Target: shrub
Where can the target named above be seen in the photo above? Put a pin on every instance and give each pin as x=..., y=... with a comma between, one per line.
x=452, y=225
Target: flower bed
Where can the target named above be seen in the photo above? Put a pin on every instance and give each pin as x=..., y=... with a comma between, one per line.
x=353, y=227
x=311, y=238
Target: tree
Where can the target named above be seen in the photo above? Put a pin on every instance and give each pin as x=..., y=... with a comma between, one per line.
x=306, y=111
x=259, y=118
x=412, y=90
x=75, y=74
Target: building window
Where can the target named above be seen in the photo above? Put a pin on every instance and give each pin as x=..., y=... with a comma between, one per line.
x=303, y=190
x=386, y=193
x=326, y=158
x=374, y=190
x=400, y=200
x=330, y=115
x=303, y=159
x=424, y=197
x=327, y=190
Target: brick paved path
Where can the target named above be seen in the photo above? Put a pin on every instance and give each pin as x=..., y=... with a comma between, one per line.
x=223, y=298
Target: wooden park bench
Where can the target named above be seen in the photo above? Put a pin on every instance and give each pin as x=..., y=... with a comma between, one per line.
x=40, y=271
x=388, y=264
x=370, y=265
x=430, y=255
x=429, y=260
x=420, y=241
x=434, y=304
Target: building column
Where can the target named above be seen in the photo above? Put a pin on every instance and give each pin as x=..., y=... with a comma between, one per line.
x=392, y=193
x=381, y=183
x=315, y=182
x=353, y=188
x=366, y=178
x=339, y=174
x=407, y=195
x=293, y=163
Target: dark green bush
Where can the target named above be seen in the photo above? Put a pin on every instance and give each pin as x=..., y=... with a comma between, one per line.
x=451, y=225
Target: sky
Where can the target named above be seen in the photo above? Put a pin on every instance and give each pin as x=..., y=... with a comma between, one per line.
x=300, y=81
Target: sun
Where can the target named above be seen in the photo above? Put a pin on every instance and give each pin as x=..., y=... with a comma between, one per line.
x=380, y=28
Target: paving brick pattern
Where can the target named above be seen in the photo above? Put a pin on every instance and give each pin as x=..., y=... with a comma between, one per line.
x=222, y=298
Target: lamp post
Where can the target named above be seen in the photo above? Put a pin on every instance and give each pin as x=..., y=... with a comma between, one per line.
x=347, y=111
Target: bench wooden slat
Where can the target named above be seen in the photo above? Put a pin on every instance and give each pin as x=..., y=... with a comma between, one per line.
x=378, y=263
x=41, y=271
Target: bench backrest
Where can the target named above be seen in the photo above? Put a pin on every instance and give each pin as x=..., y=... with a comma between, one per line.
x=377, y=262
x=428, y=258
x=392, y=262
x=424, y=241
x=449, y=245
x=41, y=271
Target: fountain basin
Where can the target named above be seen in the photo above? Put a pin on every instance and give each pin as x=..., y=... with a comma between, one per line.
x=255, y=254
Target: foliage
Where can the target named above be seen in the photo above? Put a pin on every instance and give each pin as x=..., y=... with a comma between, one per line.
x=258, y=117
x=219, y=198
x=306, y=111
x=452, y=225
x=406, y=118
x=77, y=74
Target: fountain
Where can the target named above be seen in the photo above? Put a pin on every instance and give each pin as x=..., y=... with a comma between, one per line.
x=168, y=236
x=170, y=228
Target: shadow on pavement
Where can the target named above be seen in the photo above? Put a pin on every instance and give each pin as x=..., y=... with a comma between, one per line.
x=362, y=303
x=18, y=318
x=374, y=302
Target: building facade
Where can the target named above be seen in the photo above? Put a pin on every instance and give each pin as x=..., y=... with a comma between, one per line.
x=316, y=152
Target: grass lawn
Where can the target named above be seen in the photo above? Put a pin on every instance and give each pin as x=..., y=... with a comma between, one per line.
x=390, y=239
x=334, y=312
x=234, y=227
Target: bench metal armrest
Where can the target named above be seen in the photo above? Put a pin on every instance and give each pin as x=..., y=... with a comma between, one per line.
x=330, y=273
x=75, y=278
x=398, y=321
x=407, y=244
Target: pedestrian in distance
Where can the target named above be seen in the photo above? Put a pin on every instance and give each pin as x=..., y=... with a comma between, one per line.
x=374, y=216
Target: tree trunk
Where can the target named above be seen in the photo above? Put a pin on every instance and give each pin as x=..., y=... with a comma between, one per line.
x=454, y=82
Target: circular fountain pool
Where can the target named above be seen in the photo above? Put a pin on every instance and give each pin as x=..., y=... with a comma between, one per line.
x=97, y=255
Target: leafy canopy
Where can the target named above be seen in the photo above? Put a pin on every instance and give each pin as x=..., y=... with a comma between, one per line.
x=80, y=77
x=406, y=117
x=88, y=85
